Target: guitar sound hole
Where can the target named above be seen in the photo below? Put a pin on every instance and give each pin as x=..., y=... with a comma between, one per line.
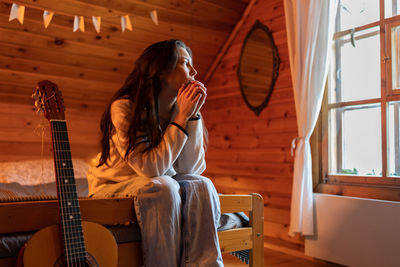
x=90, y=261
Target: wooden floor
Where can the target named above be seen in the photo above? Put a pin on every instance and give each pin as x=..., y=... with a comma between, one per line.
x=278, y=259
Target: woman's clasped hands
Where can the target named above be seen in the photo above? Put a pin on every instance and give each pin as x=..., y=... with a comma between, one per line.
x=191, y=97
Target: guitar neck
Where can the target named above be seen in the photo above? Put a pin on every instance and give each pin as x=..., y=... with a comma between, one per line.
x=70, y=216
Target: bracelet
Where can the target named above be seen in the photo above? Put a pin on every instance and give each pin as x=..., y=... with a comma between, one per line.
x=180, y=127
x=195, y=118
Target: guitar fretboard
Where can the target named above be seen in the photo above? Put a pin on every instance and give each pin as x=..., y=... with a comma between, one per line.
x=70, y=216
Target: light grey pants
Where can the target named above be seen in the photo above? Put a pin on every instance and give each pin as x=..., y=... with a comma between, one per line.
x=178, y=217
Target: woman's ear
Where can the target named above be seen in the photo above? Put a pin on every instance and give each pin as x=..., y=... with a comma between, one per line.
x=160, y=81
x=163, y=76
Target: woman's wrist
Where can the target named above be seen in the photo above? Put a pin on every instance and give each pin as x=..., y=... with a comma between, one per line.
x=181, y=120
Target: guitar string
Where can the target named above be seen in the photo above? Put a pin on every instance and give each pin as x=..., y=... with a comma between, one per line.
x=59, y=189
x=66, y=236
x=64, y=195
x=74, y=201
x=63, y=162
x=78, y=233
x=77, y=255
x=66, y=209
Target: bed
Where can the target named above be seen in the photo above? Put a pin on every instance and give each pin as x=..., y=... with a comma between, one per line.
x=28, y=204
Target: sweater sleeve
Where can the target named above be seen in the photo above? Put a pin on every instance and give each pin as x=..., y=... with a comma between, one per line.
x=154, y=162
x=191, y=160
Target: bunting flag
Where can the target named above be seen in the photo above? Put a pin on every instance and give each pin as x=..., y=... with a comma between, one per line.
x=126, y=23
x=79, y=23
x=96, y=23
x=154, y=16
x=47, y=16
x=17, y=12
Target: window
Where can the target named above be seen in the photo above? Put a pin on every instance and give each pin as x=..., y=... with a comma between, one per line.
x=361, y=113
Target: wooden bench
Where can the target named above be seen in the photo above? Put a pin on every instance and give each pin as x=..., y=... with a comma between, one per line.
x=17, y=217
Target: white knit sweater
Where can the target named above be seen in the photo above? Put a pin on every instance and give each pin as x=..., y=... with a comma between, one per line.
x=177, y=153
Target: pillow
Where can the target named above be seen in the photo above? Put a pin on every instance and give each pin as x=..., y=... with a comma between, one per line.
x=233, y=220
x=32, y=172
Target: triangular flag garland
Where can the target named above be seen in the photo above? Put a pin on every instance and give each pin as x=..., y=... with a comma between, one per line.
x=126, y=23
x=47, y=16
x=79, y=23
x=96, y=23
x=154, y=16
x=18, y=12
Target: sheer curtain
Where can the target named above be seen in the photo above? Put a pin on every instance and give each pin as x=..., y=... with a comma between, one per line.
x=310, y=26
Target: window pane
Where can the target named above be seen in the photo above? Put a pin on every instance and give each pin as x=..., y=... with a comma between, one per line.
x=355, y=74
x=354, y=13
x=355, y=140
x=392, y=8
x=394, y=140
x=395, y=57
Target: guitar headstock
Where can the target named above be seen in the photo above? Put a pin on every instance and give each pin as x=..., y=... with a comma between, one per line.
x=49, y=100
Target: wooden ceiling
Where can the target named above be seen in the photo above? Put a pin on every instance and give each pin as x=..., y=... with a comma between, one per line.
x=89, y=66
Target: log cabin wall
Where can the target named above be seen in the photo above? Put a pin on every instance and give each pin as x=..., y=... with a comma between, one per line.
x=247, y=153
x=89, y=67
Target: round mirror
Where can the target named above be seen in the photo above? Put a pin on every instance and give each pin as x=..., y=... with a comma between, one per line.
x=258, y=67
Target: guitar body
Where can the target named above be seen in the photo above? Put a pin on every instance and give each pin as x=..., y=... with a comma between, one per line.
x=45, y=249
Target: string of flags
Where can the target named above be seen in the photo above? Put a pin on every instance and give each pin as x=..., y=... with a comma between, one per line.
x=18, y=11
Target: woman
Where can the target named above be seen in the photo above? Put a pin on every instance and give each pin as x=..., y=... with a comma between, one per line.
x=153, y=150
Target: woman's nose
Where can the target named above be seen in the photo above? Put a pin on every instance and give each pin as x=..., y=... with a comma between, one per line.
x=193, y=72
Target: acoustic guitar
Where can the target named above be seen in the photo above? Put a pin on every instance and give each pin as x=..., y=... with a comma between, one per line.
x=72, y=242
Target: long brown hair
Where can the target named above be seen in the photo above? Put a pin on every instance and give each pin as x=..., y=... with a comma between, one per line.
x=142, y=87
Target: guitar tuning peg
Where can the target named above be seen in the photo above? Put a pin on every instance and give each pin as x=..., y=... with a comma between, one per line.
x=39, y=109
x=37, y=105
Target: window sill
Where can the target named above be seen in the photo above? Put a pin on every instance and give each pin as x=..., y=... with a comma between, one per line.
x=364, y=191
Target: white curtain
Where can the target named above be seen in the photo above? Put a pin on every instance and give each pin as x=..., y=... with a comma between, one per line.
x=310, y=27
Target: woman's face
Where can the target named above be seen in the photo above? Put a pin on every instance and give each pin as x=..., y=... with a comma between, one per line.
x=183, y=73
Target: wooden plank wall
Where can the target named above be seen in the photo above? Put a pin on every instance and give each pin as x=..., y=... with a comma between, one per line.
x=84, y=67
x=247, y=153
x=89, y=67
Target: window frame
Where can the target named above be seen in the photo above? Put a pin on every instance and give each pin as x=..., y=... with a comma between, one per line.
x=376, y=187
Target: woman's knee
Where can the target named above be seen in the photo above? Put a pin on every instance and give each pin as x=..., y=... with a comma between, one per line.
x=166, y=189
x=207, y=182
x=162, y=190
x=192, y=177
